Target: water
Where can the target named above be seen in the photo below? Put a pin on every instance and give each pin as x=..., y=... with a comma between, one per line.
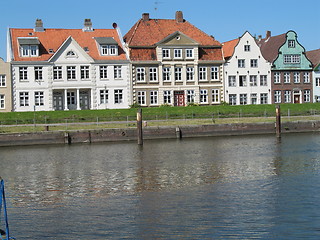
x=251, y=187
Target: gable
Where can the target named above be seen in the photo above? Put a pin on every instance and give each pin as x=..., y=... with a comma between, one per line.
x=178, y=39
x=70, y=51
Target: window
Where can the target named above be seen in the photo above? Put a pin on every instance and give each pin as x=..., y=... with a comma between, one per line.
x=253, y=80
x=306, y=95
x=286, y=77
x=177, y=53
x=233, y=99
x=291, y=44
x=2, y=101
x=306, y=77
x=109, y=49
x=202, y=73
x=277, y=96
x=84, y=72
x=317, y=82
x=29, y=50
x=276, y=77
x=242, y=81
x=241, y=63
x=165, y=53
x=117, y=72
x=287, y=96
x=103, y=72
x=247, y=48
x=243, y=99
x=263, y=98
x=24, y=99
x=296, y=77
x=177, y=73
x=23, y=73
x=253, y=97
x=203, y=96
x=190, y=96
x=167, y=97
x=141, y=97
x=189, y=53
x=104, y=96
x=263, y=80
x=291, y=59
x=2, y=80
x=57, y=73
x=190, y=73
x=214, y=73
x=254, y=63
x=71, y=98
x=153, y=97
x=140, y=74
x=215, y=96
x=71, y=72
x=232, y=81
x=166, y=74
x=39, y=98
x=118, y=96
x=153, y=74
x=71, y=54
x=38, y=73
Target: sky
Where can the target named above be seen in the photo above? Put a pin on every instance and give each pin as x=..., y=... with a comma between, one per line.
x=225, y=20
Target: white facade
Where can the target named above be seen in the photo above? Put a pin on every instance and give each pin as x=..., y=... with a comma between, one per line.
x=316, y=84
x=247, y=75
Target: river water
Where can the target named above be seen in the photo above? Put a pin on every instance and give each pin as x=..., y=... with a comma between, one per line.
x=244, y=187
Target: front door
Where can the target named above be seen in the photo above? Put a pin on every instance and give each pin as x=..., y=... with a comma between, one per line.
x=296, y=99
x=57, y=100
x=84, y=100
x=178, y=98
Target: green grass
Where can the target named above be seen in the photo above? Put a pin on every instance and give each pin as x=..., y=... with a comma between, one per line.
x=157, y=113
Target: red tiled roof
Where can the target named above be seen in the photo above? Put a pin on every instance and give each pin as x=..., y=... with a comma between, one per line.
x=54, y=38
x=210, y=54
x=270, y=46
x=228, y=47
x=314, y=57
x=143, y=54
x=150, y=32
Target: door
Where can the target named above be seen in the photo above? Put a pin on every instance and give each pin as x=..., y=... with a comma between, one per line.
x=178, y=98
x=57, y=100
x=84, y=100
x=71, y=100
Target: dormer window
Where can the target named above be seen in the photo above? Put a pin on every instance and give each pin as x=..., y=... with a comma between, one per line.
x=71, y=54
x=29, y=46
x=108, y=46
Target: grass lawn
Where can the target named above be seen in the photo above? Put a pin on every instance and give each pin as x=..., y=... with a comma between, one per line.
x=158, y=113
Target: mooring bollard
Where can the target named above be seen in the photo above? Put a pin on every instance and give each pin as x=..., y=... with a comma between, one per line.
x=278, y=121
x=139, y=127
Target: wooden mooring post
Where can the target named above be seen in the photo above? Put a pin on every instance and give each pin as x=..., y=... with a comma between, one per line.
x=139, y=127
x=278, y=121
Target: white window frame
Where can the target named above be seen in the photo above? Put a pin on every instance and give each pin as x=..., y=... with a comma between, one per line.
x=243, y=99
x=24, y=99
x=253, y=81
x=141, y=98
x=57, y=72
x=38, y=73
x=277, y=77
x=84, y=72
x=39, y=98
x=29, y=50
x=166, y=74
x=190, y=96
x=253, y=98
x=189, y=53
x=232, y=81
x=241, y=63
x=286, y=77
x=117, y=70
x=140, y=74
x=153, y=74
x=287, y=96
x=277, y=96
x=2, y=101
x=296, y=77
x=247, y=48
x=254, y=63
x=307, y=95
x=71, y=73
x=153, y=97
x=104, y=96
x=263, y=80
x=233, y=99
x=214, y=73
x=242, y=81
x=215, y=94
x=108, y=50
x=318, y=82
x=263, y=98
x=306, y=77
x=190, y=73
x=2, y=80
x=203, y=95
x=291, y=43
x=177, y=53
x=103, y=71
x=178, y=74
x=23, y=73
x=118, y=96
x=167, y=97
x=166, y=53
x=291, y=58
x=202, y=73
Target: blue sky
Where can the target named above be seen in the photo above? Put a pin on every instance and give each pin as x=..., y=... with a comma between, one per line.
x=225, y=20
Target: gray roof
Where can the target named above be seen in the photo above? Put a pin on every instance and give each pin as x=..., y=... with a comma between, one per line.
x=28, y=41
x=106, y=40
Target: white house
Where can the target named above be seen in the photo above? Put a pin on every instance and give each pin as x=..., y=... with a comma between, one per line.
x=314, y=57
x=247, y=75
x=68, y=69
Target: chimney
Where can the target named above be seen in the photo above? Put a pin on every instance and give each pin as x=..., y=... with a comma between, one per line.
x=145, y=17
x=39, y=26
x=87, y=26
x=259, y=37
x=179, y=16
x=268, y=34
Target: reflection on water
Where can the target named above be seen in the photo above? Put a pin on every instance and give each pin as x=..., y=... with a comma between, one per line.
x=226, y=187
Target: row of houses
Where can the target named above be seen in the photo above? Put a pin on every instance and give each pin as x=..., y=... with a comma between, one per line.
x=157, y=62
